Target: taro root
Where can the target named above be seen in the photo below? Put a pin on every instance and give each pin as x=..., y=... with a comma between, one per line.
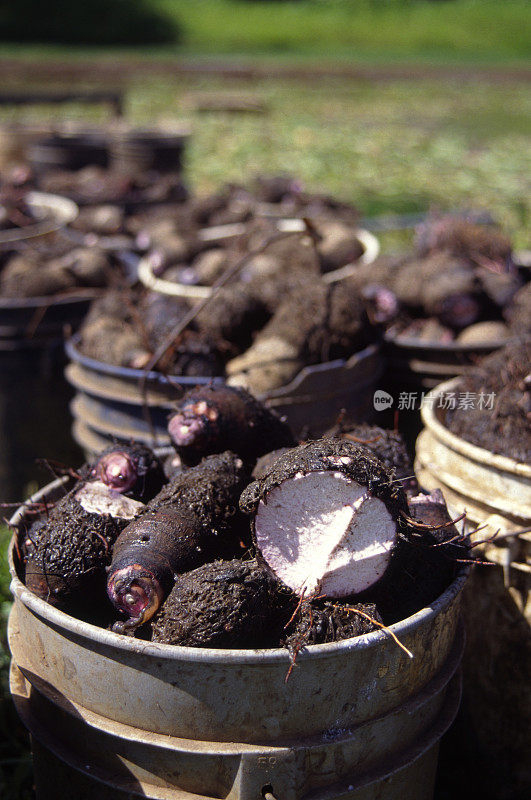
x=442, y=286
x=518, y=312
x=133, y=470
x=194, y=519
x=66, y=556
x=114, y=342
x=484, y=332
x=211, y=419
x=210, y=265
x=326, y=518
x=422, y=566
x=104, y=220
x=27, y=276
x=89, y=266
x=320, y=622
x=500, y=287
x=478, y=244
x=159, y=314
x=317, y=324
x=423, y=330
x=233, y=315
x=338, y=245
x=224, y=604
x=387, y=445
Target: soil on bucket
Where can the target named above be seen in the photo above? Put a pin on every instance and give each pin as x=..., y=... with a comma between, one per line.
x=501, y=422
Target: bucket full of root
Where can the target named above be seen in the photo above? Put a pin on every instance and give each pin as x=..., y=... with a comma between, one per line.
x=260, y=618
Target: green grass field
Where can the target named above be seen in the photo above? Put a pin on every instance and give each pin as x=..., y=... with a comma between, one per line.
x=485, y=32
x=477, y=30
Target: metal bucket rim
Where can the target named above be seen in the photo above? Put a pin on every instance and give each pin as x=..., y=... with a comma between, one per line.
x=128, y=372
x=410, y=343
x=369, y=242
x=77, y=296
x=472, y=451
x=72, y=351
x=64, y=211
x=211, y=655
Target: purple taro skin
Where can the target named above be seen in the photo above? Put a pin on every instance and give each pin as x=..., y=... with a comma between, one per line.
x=193, y=520
x=133, y=470
x=212, y=419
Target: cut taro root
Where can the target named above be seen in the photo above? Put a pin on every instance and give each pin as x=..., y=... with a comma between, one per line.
x=211, y=419
x=66, y=554
x=225, y=604
x=193, y=520
x=387, y=445
x=132, y=469
x=326, y=518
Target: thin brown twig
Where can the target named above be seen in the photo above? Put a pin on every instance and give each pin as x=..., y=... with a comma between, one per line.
x=382, y=626
x=169, y=340
x=360, y=441
x=424, y=527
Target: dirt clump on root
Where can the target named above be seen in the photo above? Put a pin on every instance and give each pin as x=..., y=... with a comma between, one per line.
x=387, y=445
x=502, y=424
x=319, y=622
x=232, y=604
x=66, y=554
x=210, y=491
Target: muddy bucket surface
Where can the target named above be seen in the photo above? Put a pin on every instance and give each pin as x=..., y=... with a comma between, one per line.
x=121, y=717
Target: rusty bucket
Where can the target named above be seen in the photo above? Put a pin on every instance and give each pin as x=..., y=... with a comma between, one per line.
x=115, y=717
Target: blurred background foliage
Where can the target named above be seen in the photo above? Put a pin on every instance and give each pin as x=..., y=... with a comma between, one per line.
x=476, y=30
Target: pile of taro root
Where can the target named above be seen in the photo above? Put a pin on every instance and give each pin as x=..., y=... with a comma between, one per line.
x=58, y=268
x=49, y=268
x=276, y=314
x=245, y=538
x=502, y=422
x=460, y=284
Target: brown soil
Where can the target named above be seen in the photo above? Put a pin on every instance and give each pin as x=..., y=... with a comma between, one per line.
x=505, y=428
x=318, y=622
x=387, y=445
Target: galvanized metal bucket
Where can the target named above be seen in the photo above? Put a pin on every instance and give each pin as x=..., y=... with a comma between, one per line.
x=34, y=396
x=495, y=491
x=69, y=150
x=109, y=402
x=413, y=365
x=485, y=483
x=139, y=150
x=52, y=212
x=34, y=400
x=115, y=717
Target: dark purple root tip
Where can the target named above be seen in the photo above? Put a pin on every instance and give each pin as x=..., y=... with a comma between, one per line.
x=459, y=310
x=383, y=303
x=185, y=430
x=117, y=470
x=136, y=592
